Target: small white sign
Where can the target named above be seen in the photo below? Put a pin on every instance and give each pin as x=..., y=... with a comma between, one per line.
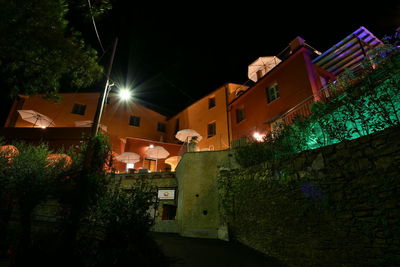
x=166, y=193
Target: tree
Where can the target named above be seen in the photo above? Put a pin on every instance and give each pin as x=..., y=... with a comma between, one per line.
x=39, y=50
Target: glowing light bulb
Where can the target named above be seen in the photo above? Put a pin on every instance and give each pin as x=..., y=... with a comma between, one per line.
x=124, y=94
x=259, y=137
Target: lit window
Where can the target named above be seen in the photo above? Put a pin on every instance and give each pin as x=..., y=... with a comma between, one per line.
x=239, y=115
x=211, y=129
x=161, y=127
x=78, y=109
x=211, y=102
x=272, y=93
x=134, y=121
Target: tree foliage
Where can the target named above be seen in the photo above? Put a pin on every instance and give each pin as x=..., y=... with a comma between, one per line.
x=89, y=221
x=39, y=50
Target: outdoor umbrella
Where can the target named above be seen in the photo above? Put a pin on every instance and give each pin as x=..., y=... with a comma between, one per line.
x=54, y=159
x=264, y=64
x=89, y=123
x=186, y=135
x=128, y=157
x=157, y=152
x=36, y=118
x=9, y=151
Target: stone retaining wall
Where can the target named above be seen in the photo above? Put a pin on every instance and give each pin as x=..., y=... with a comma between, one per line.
x=334, y=206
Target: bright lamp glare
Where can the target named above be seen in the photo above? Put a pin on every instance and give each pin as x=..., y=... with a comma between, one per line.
x=259, y=137
x=124, y=94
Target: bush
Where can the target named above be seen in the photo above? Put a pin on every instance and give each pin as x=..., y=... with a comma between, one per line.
x=90, y=221
x=118, y=227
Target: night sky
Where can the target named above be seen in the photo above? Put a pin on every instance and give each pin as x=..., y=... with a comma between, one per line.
x=173, y=55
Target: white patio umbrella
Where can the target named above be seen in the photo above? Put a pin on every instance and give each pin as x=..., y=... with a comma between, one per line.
x=173, y=161
x=263, y=64
x=36, y=118
x=186, y=135
x=89, y=123
x=157, y=152
x=128, y=157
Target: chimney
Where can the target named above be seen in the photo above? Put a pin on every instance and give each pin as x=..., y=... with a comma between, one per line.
x=296, y=44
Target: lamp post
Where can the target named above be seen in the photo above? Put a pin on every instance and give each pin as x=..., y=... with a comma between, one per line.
x=104, y=94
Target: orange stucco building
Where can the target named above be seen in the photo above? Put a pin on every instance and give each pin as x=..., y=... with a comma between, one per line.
x=280, y=85
x=280, y=89
x=291, y=85
x=123, y=122
x=116, y=115
x=209, y=117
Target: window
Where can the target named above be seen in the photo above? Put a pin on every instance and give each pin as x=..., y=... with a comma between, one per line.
x=168, y=212
x=134, y=121
x=272, y=93
x=177, y=125
x=78, y=109
x=239, y=115
x=161, y=127
x=211, y=102
x=130, y=166
x=211, y=129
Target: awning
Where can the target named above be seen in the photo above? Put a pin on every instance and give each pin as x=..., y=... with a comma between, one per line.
x=349, y=52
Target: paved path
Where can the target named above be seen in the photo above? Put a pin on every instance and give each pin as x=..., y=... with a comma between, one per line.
x=193, y=252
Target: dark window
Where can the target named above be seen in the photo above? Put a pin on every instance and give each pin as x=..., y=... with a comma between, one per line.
x=134, y=121
x=211, y=102
x=176, y=125
x=272, y=93
x=239, y=115
x=211, y=129
x=161, y=127
x=169, y=212
x=79, y=109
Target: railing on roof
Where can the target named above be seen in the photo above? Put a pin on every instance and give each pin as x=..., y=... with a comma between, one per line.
x=302, y=109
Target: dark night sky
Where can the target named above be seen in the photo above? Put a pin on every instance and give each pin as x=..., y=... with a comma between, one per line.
x=174, y=55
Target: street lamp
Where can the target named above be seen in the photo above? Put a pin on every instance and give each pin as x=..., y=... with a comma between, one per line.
x=124, y=94
x=104, y=94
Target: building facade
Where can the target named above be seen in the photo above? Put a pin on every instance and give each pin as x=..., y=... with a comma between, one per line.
x=282, y=88
x=294, y=79
x=209, y=117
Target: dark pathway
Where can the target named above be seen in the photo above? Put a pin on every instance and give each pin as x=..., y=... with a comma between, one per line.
x=193, y=252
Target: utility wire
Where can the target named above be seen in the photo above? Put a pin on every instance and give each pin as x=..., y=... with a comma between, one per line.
x=95, y=28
